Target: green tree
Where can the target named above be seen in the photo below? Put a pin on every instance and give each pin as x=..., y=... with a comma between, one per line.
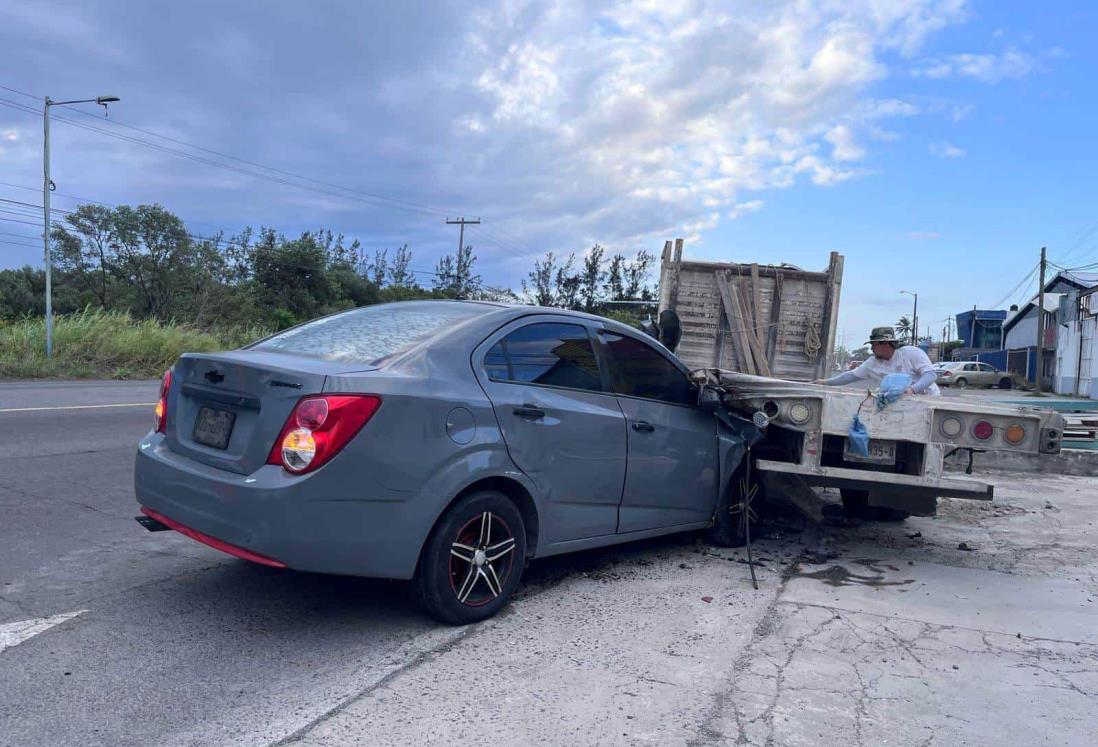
x=903, y=327
x=454, y=276
x=539, y=289
x=614, y=287
x=591, y=278
x=293, y=276
x=399, y=273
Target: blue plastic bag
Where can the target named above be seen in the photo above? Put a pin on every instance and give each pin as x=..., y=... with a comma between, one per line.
x=857, y=438
x=892, y=388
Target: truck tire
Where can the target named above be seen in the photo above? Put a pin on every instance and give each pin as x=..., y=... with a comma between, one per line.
x=856, y=506
x=961, y=383
x=855, y=503
x=732, y=521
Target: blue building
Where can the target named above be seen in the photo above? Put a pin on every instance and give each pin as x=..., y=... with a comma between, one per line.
x=981, y=329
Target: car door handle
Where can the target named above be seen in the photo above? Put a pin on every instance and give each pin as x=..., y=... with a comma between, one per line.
x=640, y=425
x=529, y=413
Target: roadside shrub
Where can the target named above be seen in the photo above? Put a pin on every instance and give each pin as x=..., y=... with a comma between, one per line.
x=107, y=344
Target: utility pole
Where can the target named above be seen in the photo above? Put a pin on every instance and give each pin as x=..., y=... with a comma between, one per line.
x=461, y=233
x=1041, y=326
x=47, y=187
x=972, y=329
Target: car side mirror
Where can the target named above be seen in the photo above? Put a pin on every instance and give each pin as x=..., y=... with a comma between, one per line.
x=709, y=399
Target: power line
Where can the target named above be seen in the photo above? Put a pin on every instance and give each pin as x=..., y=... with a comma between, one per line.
x=17, y=243
x=1009, y=294
x=28, y=222
x=370, y=198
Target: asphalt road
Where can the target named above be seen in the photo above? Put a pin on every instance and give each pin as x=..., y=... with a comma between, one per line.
x=171, y=642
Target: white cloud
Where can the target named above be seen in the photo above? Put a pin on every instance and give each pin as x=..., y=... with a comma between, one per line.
x=683, y=107
x=741, y=209
x=559, y=123
x=11, y=135
x=988, y=68
x=945, y=150
x=843, y=146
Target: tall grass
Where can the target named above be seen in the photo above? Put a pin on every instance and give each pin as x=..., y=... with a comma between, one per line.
x=106, y=344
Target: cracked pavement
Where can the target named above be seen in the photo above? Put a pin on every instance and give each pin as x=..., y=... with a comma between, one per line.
x=902, y=639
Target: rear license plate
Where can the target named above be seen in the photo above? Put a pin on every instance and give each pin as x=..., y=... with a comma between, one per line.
x=880, y=452
x=214, y=427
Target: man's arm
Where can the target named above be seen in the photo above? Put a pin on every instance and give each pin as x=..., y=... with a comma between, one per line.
x=924, y=371
x=846, y=377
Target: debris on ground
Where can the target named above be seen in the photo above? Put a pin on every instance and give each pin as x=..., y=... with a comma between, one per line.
x=966, y=547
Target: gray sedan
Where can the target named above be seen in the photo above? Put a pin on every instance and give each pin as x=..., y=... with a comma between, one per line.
x=440, y=441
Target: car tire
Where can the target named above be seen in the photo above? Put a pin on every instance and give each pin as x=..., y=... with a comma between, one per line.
x=961, y=383
x=1006, y=383
x=472, y=562
x=733, y=519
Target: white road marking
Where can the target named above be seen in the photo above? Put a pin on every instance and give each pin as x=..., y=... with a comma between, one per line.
x=12, y=634
x=78, y=407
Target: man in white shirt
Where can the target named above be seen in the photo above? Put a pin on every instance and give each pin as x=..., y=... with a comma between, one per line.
x=891, y=356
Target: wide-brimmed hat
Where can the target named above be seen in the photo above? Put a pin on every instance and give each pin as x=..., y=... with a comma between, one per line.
x=883, y=334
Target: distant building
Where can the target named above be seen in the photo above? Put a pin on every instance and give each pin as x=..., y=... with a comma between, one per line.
x=1076, y=328
x=981, y=329
x=1060, y=344
x=1061, y=302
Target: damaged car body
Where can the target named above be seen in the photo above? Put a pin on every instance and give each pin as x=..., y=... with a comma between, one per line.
x=445, y=442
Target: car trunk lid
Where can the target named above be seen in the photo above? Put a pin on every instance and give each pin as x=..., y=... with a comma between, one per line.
x=226, y=409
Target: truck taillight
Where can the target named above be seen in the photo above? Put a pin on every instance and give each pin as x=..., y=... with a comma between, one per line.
x=161, y=421
x=319, y=427
x=982, y=430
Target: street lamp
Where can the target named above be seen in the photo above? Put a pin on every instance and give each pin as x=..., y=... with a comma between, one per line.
x=914, y=317
x=47, y=186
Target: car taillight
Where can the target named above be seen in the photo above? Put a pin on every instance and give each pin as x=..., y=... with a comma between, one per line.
x=982, y=430
x=945, y=373
x=319, y=427
x=161, y=421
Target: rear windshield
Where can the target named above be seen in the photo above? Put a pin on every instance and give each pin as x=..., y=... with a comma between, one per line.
x=372, y=333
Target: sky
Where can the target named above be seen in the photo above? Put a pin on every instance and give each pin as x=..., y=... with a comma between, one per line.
x=936, y=144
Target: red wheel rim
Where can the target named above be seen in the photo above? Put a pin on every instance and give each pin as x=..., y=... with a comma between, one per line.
x=481, y=558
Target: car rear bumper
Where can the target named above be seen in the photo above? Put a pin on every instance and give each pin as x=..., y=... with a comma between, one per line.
x=322, y=522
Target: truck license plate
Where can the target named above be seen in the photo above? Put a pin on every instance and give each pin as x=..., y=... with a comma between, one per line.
x=213, y=427
x=880, y=452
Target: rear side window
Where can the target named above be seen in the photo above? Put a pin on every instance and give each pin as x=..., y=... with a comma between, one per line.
x=638, y=370
x=550, y=354
x=371, y=333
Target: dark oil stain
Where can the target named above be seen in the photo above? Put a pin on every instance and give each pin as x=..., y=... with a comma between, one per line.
x=838, y=576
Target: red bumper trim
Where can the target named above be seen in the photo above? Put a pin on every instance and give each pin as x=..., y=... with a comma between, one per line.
x=213, y=542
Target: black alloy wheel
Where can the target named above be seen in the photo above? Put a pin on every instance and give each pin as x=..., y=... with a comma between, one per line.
x=473, y=561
